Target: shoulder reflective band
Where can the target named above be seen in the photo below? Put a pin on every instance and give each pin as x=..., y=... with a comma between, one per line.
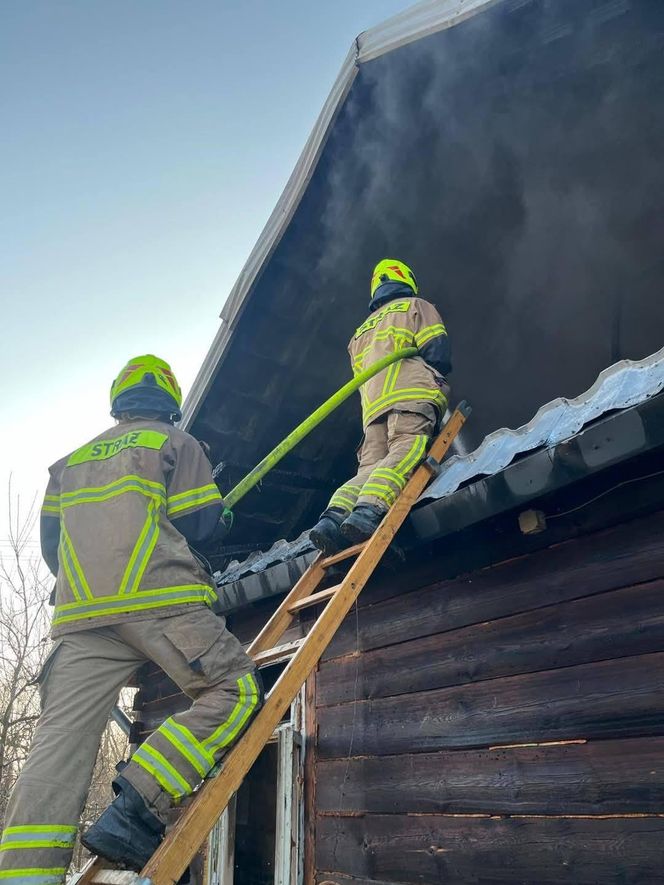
x=428, y=333
x=207, y=494
x=107, y=448
x=51, y=505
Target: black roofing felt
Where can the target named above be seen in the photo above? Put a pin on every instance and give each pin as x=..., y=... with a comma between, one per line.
x=515, y=162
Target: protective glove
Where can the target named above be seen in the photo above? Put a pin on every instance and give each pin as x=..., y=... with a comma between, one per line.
x=224, y=525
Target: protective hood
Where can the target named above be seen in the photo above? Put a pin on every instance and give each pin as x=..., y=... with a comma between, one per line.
x=388, y=292
x=138, y=400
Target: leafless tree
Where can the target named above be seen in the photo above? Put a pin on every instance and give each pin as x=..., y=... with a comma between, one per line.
x=25, y=586
x=23, y=643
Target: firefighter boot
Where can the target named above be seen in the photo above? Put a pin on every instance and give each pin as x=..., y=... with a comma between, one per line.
x=326, y=534
x=362, y=523
x=127, y=833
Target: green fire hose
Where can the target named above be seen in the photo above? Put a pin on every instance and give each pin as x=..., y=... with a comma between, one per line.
x=305, y=428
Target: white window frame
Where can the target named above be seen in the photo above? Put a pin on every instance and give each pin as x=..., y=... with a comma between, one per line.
x=289, y=824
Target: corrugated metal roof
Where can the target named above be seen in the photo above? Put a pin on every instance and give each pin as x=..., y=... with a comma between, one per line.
x=619, y=387
x=622, y=385
x=419, y=21
x=281, y=551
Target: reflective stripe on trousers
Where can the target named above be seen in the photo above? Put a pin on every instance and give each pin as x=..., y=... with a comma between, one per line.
x=393, y=447
x=79, y=685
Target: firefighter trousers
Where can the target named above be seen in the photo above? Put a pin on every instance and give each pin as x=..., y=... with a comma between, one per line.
x=392, y=448
x=79, y=685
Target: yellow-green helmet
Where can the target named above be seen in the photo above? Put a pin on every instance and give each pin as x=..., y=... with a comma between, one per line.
x=392, y=270
x=146, y=383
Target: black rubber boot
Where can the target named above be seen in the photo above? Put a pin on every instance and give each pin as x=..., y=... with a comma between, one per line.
x=362, y=523
x=326, y=534
x=127, y=833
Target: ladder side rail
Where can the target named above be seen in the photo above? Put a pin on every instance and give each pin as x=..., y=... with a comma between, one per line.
x=282, y=618
x=176, y=851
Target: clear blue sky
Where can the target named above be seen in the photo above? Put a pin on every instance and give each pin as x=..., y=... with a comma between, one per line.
x=143, y=147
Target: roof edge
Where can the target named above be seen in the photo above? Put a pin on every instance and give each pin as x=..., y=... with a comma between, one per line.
x=271, y=235
x=421, y=20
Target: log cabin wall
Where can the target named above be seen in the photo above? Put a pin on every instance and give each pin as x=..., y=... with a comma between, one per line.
x=506, y=726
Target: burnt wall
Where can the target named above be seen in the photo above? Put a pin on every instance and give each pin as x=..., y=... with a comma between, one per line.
x=506, y=726
x=515, y=162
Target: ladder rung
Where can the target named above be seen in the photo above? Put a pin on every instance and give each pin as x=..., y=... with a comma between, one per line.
x=344, y=554
x=314, y=599
x=278, y=653
x=119, y=877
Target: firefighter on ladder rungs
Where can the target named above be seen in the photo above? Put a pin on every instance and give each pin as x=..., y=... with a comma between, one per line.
x=401, y=406
x=117, y=518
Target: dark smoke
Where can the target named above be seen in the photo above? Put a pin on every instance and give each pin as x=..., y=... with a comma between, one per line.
x=515, y=162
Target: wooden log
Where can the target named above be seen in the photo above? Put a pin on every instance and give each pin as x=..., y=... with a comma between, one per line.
x=431, y=849
x=599, y=777
x=621, y=698
x=609, y=625
x=327, y=878
x=618, y=557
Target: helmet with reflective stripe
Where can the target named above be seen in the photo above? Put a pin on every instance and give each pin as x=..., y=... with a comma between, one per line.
x=390, y=270
x=146, y=382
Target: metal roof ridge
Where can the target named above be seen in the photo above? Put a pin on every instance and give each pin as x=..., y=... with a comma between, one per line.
x=619, y=386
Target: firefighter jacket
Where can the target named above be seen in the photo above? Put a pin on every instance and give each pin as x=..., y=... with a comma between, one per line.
x=115, y=523
x=405, y=385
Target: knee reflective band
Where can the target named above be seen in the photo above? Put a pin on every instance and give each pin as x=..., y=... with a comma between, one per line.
x=187, y=744
x=303, y=429
x=385, y=483
x=38, y=836
x=168, y=778
x=199, y=754
x=34, y=876
x=346, y=497
x=414, y=456
x=247, y=703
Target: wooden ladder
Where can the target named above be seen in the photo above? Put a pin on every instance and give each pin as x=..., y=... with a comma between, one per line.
x=185, y=838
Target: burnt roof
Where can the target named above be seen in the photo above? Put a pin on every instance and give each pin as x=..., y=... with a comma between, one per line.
x=514, y=160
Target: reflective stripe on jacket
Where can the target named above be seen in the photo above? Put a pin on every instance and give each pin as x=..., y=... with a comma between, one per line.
x=120, y=556
x=403, y=322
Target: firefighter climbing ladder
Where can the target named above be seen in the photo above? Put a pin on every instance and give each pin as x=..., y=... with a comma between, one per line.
x=181, y=844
